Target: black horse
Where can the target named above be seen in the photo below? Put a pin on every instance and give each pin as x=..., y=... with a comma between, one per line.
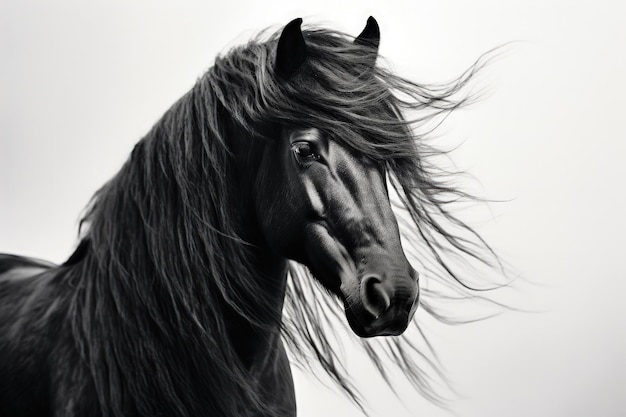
x=172, y=303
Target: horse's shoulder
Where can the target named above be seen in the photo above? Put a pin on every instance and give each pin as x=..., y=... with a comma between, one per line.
x=25, y=296
x=10, y=262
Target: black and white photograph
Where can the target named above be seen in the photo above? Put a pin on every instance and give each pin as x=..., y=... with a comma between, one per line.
x=312, y=208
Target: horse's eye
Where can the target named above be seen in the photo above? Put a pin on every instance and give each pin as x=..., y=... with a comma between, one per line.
x=304, y=152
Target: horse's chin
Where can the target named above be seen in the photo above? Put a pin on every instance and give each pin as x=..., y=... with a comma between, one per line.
x=364, y=326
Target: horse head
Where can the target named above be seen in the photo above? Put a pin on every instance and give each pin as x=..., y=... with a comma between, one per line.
x=327, y=207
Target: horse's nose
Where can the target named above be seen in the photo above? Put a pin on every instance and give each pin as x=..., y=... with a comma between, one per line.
x=374, y=295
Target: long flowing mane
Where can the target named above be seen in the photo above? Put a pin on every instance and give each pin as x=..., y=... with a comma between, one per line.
x=162, y=229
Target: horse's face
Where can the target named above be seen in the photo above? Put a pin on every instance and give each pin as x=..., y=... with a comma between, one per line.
x=328, y=208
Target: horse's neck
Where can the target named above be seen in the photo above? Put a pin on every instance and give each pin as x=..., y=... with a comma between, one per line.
x=254, y=344
x=261, y=350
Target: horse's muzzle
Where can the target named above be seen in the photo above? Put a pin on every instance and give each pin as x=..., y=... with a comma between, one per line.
x=386, y=304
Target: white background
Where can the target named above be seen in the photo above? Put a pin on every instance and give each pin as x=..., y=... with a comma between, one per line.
x=80, y=84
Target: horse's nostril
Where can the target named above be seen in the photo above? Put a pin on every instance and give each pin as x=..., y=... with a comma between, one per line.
x=373, y=295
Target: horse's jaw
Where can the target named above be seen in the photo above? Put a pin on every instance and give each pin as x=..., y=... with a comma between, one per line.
x=380, y=292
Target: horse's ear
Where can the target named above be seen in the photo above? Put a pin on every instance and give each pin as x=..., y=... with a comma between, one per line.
x=370, y=36
x=291, y=50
